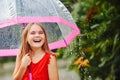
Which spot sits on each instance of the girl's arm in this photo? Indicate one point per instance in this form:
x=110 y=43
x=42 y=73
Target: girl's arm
x=21 y=66
x=53 y=69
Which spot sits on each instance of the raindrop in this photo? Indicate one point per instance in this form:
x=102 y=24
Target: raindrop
x=89 y=77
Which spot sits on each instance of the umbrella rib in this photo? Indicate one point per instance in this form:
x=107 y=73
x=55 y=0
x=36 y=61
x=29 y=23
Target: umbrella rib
x=65 y=41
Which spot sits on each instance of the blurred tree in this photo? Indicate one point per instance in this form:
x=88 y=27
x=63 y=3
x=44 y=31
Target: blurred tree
x=99 y=41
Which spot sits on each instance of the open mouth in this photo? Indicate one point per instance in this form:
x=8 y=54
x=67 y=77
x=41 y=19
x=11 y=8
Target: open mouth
x=36 y=41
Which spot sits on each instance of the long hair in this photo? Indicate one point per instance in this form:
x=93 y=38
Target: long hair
x=25 y=47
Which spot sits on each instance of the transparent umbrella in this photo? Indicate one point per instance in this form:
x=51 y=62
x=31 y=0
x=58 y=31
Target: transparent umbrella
x=57 y=20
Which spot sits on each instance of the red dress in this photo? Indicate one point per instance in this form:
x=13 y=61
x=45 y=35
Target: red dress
x=39 y=70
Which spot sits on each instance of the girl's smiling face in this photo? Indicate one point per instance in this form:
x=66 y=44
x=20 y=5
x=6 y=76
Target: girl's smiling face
x=36 y=36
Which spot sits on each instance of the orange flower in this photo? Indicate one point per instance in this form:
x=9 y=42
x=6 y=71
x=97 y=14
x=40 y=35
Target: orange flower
x=81 y=62
x=85 y=63
x=78 y=61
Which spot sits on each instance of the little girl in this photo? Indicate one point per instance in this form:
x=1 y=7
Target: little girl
x=35 y=61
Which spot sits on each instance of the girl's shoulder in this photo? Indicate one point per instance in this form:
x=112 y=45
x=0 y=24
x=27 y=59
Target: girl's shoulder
x=52 y=53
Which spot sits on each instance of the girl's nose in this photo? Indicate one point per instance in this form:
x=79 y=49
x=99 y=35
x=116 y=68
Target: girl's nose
x=37 y=35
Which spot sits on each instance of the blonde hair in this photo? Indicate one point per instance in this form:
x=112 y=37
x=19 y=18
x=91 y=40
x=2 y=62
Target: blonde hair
x=25 y=47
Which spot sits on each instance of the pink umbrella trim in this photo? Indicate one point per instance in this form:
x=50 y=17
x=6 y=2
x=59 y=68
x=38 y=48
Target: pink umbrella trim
x=58 y=44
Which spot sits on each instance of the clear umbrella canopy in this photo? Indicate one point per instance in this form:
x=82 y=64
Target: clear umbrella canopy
x=57 y=20
x=33 y=8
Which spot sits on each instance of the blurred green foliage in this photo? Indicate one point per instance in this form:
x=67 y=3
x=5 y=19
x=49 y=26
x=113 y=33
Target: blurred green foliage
x=7 y=59
x=99 y=41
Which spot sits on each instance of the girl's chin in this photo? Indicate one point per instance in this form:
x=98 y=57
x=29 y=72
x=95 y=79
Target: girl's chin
x=36 y=46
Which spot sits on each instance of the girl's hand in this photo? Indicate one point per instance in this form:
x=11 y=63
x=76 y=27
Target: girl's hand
x=26 y=60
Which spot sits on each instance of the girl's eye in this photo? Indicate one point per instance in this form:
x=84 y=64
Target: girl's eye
x=32 y=32
x=41 y=32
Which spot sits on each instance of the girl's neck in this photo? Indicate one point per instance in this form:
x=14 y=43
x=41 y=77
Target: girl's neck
x=37 y=51
x=37 y=55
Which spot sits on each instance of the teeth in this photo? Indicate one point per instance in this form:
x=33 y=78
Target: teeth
x=36 y=40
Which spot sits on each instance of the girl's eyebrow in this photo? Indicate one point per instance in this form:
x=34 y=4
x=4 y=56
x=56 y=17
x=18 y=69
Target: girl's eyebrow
x=35 y=31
